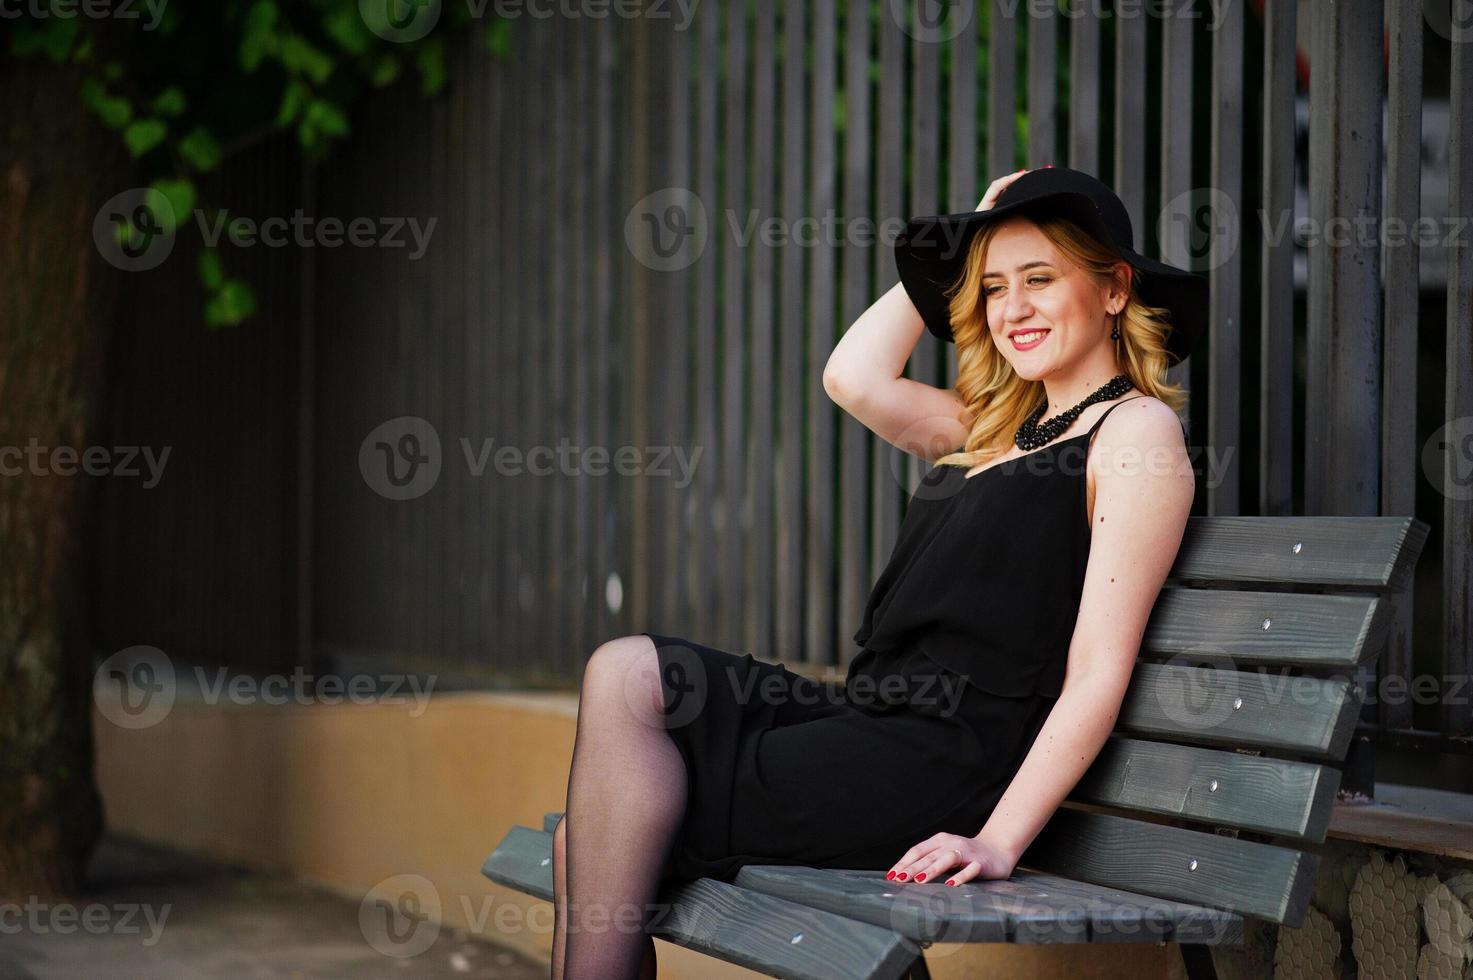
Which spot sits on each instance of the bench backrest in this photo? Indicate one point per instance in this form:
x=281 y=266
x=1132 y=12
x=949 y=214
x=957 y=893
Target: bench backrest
x=1225 y=761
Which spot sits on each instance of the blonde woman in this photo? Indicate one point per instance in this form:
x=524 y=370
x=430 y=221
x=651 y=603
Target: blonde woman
x=997 y=643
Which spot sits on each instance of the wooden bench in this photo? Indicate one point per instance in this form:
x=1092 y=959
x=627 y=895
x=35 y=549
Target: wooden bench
x=1204 y=808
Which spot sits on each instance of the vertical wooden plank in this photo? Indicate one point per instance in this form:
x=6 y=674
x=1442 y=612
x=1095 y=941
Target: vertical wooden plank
x=889 y=463
x=705 y=553
x=515 y=365
x=496 y=346
x=408 y=330
x=438 y=503
x=1043 y=89
x=790 y=574
x=963 y=191
x=1224 y=365
x=1002 y=92
x=473 y=271
x=1400 y=462
x=854 y=448
x=733 y=332
x=680 y=502
x=557 y=486
x=1343 y=397
x=1176 y=152
x=759 y=592
x=1276 y=305
x=663 y=420
x=450 y=235
x=585 y=569
x=534 y=566
x=1457 y=510
x=1129 y=179
x=638 y=105
x=306 y=426
x=822 y=314
x=925 y=120
x=1084 y=90
x=607 y=418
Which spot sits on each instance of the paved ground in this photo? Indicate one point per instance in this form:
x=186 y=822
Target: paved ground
x=155 y=914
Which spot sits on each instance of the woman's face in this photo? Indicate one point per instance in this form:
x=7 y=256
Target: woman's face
x=1043 y=312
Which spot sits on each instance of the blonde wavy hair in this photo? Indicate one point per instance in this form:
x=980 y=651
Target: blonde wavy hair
x=998 y=399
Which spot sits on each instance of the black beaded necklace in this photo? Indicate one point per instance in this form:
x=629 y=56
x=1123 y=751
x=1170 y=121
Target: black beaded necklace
x=1033 y=434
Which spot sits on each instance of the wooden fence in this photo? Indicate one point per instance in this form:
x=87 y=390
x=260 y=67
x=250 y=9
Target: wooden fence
x=587 y=280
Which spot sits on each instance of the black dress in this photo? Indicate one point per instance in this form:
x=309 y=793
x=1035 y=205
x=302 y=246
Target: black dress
x=965 y=639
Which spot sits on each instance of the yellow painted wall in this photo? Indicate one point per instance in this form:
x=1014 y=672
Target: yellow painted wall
x=346 y=796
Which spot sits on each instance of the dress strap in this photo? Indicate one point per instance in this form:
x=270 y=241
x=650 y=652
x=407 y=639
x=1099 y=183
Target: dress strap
x=1101 y=420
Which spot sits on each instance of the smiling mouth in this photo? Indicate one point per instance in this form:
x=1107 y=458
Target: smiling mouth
x=1025 y=341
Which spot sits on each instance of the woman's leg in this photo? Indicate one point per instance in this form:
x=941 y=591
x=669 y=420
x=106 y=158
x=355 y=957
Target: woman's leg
x=560 y=914
x=626 y=798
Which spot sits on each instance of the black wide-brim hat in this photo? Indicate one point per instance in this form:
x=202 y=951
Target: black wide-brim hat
x=932 y=250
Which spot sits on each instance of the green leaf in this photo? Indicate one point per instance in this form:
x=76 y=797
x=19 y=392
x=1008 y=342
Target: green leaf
x=292 y=102
x=170 y=102
x=385 y=69
x=57 y=38
x=257 y=38
x=112 y=71
x=142 y=135
x=171 y=200
x=498 y=38
x=301 y=57
x=211 y=275
x=200 y=149
x=430 y=59
x=114 y=110
x=230 y=305
x=327 y=118
x=344 y=24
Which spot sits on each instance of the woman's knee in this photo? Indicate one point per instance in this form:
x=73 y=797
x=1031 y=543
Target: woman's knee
x=627 y=668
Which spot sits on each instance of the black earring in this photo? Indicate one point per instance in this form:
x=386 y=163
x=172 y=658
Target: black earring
x=1115 y=331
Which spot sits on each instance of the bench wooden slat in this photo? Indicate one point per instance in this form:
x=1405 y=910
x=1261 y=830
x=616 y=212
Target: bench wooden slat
x=753 y=929
x=1027 y=908
x=1267 y=628
x=1241 y=709
x=1372 y=554
x=1193 y=866
x=1271 y=796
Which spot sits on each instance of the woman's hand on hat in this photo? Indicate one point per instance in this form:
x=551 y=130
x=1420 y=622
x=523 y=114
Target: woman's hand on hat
x=997 y=187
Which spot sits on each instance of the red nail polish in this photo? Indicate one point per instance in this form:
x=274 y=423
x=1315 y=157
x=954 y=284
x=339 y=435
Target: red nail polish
x=921 y=876
x=950 y=881
x=901 y=876
x=890 y=876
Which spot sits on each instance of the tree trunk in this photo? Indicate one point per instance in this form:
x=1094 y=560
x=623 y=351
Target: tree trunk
x=57 y=166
